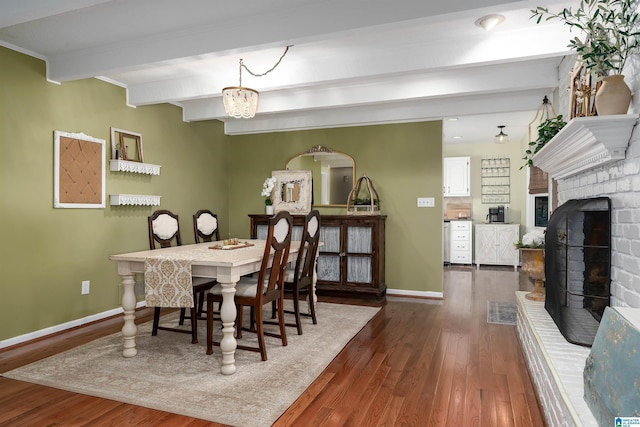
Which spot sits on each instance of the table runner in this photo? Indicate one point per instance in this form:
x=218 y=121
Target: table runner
x=168 y=282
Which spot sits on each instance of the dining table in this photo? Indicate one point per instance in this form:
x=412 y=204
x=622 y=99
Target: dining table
x=216 y=260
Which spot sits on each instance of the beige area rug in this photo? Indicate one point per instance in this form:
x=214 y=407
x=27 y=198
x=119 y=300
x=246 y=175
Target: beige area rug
x=171 y=374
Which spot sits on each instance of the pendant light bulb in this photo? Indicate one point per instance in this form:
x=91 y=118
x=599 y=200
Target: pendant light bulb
x=501 y=137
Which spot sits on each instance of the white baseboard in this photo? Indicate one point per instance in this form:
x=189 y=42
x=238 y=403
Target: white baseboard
x=63 y=326
x=421 y=294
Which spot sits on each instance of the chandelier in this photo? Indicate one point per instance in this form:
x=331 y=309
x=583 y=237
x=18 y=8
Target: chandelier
x=242 y=102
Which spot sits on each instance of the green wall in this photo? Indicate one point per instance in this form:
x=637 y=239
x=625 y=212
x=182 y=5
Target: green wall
x=403 y=160
x=46 y=253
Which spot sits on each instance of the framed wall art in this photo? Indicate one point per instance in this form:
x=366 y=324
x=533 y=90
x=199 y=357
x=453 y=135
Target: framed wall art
x=292 y=191
x=582 y=89
x=126 y=145
x=79 y=171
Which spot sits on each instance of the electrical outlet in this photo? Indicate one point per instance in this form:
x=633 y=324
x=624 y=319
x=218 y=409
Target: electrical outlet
x=426 y=202
x=85 y=287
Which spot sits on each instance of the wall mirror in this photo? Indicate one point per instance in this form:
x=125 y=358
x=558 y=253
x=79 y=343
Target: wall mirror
x=333 y=174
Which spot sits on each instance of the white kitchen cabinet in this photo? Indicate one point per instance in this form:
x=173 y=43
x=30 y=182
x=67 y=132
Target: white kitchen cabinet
x=461 y=242
x=495 y=244
x=456 y=176
x=446 y=246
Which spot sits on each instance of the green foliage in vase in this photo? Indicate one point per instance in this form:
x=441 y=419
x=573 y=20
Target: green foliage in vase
x=609 y=32
x=546 y=130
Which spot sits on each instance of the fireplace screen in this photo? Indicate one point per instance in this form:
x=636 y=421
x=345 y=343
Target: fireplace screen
x=577 y=267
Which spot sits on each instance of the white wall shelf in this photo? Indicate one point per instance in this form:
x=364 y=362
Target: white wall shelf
x=134 y=200
x=585 y=143
x=134 y=167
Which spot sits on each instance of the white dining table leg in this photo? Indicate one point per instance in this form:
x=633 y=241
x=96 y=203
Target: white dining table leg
x=129 y=329
x=228 y=315
x=314 y=281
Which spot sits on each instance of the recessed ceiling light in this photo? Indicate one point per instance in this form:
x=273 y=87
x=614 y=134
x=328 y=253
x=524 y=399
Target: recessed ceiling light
x=489 y=21
x=456 y=137
x=452 y=119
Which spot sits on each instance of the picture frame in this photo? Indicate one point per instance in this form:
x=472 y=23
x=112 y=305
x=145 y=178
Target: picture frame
x=79 y=171
x=582 y=89
x=126 y=145
x=292 y=191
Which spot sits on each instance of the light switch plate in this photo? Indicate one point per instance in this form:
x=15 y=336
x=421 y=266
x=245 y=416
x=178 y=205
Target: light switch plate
x=426 y=202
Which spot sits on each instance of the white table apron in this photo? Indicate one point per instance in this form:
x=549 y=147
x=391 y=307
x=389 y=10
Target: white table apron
x=226 y=266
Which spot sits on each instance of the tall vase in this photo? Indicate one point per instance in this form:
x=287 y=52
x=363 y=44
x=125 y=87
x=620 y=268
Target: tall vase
x=268 y=209
x=533 y=266
x=613 y=96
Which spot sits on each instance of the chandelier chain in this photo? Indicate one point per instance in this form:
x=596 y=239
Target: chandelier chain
x=266 y=72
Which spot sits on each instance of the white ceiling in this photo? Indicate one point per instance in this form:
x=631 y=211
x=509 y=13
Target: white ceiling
x=352 y=62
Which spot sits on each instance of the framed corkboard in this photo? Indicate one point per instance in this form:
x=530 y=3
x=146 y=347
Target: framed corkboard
x=79 y=171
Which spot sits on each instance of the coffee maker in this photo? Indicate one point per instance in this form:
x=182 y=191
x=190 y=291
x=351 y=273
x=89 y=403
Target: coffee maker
x=496 y=214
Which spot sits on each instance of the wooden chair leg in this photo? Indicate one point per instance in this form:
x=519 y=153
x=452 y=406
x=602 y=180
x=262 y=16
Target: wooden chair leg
x=283 y=332
x=260 y=331
x=209 y=326
x=252 y=319
x=296 y=311
x=239 y=317
x=194 y=325
x=182 y=316
x=312 y=307
x=156 y=321
x=201 y=298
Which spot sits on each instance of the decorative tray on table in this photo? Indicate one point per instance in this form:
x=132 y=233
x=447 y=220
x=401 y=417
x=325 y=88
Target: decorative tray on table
x=230 y=244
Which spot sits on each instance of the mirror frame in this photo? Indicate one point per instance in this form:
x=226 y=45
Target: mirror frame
x=320 y=149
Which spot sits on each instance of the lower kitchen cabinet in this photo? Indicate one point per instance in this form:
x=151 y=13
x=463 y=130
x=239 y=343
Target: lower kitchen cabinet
x=495 y=244
x=446 y=246
x=351 y=259
x=460 y=242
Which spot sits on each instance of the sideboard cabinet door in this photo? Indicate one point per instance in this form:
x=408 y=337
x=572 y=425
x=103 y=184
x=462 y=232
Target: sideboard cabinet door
x=351 y=259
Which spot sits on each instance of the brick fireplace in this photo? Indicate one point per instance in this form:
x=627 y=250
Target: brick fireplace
x=594 y=158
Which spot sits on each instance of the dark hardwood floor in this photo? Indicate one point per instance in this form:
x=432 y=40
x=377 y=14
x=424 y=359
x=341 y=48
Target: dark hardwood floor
x=419 y=362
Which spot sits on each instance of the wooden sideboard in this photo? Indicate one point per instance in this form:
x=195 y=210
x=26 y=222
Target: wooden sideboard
x=352 y=258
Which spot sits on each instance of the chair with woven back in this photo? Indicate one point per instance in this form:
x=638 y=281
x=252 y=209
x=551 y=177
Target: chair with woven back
x=164 y=231
x=266 y=289
x=299 y=280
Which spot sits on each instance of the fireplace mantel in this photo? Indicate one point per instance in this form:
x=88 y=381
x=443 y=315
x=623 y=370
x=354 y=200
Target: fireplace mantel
x=584 y=143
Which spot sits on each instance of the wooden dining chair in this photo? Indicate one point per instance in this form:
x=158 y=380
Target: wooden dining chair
x=164 y=231
x=299 y=280
x=205 y=229
x=205 y=226
x=256 y=293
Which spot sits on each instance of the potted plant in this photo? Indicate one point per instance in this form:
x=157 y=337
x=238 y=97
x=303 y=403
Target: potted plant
x=267 y=189
x=546 y=130
x=610 y=33
x=532 y=251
